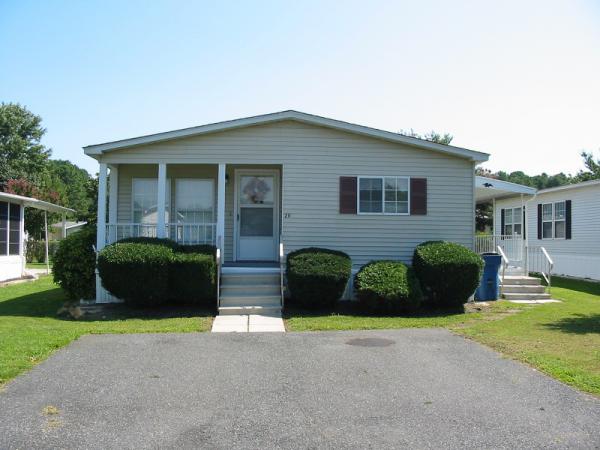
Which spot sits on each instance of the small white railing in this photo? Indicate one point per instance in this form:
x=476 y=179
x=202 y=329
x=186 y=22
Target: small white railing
x=512 y=245
x=504 y=264
x=281 y=269
x=182 y=233
x=218 y=257
x=538 y=260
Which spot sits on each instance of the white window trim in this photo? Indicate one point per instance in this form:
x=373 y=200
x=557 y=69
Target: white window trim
x=554 y=220
x=382 y=213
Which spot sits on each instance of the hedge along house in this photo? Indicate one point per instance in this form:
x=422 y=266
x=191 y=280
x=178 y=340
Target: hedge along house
x=12 y=232
x=263 y=186
x=564 y=221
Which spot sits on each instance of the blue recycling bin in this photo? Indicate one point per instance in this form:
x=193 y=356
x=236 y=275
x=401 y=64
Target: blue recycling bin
x=489 y=286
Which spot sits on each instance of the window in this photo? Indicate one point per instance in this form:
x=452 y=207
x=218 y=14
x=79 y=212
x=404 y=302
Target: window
x=383 y=195
x=554 y=220
x=145 y=195
x=194 y=201
x=513 y=221
x=10 y=228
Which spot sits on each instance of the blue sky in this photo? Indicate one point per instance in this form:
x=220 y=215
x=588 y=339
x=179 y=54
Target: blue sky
x=517 y=79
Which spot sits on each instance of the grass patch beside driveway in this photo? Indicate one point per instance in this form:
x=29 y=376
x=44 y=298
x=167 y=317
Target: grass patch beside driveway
x=561 y=339
x=30 y=329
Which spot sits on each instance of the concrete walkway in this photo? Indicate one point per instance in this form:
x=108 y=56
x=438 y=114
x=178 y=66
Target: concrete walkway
x=248 y=323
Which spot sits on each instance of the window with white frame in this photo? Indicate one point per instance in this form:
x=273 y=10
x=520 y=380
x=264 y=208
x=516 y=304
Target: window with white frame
x=513 y=221
x=554 y=220
x=383 y=195
x=194 y=201
x=145 y=199
x=10 y=228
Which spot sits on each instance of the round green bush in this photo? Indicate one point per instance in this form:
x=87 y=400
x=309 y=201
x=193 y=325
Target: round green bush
x=136 y=273
x=388 y=287
x=74 y=264
x=193 y=278
x=449 y=273
x=205 y=249
x=317 y=277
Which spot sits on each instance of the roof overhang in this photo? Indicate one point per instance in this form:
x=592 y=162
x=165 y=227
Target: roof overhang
x=95 y=151
x=487 y=189
x=31 y=202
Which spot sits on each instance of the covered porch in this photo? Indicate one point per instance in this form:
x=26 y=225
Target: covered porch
x=235 y=207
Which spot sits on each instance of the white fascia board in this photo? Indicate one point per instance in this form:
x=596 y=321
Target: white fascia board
x=99 y=149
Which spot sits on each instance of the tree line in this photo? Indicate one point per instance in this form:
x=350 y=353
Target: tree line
x=26 y=168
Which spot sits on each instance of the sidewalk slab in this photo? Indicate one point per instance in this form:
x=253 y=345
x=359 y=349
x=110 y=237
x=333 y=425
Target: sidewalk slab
x=230 y=324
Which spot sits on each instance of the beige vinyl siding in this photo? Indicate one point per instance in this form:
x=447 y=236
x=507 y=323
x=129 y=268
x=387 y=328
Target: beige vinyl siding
x=312 y=159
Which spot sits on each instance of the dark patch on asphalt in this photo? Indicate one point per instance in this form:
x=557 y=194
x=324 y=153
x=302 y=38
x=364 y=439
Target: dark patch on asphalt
x=370 y=342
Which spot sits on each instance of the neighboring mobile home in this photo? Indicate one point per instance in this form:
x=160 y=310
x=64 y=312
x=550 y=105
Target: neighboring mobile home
x=12 y=232
x=564 y=220
x=251 y=186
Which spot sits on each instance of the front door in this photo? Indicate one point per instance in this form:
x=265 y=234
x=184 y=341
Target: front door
x=257 y=215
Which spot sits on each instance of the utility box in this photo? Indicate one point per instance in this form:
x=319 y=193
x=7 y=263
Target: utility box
x=489 y=287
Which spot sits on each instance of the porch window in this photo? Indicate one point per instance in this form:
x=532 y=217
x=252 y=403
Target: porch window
x=145 y=195
x=10 y=228
x=513 y=221
x=383 y=195
x=194 y=206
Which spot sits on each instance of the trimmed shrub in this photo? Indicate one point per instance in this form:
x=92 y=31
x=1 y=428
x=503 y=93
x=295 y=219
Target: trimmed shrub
x=138 y=273
x=74 y=264
x=317 y=277
x=205 y=249
x=388 y=287
x=449 y=273
x=164 y=242
x=192 y=278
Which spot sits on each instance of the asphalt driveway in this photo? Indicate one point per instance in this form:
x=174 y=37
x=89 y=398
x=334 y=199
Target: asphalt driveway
x=380 y=389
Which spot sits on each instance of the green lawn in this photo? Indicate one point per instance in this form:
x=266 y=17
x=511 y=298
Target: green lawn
x=560 y=339
x=37 y=265
x=30 y=329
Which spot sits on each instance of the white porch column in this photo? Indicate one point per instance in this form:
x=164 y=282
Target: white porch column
x=46 y=241
x=113 y=192
x=22 y=239
x=221 y=208
x=160 y=203
x=64 y=226
x=101 y=227
x=494 y=217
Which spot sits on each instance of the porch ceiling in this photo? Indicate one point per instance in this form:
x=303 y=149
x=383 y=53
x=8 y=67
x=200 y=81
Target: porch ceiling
x=487 y=189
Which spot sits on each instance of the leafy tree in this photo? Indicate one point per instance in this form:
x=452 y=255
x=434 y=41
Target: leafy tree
x=432 y=136
x=592 y=166
x=74 y=181
x=22 y=156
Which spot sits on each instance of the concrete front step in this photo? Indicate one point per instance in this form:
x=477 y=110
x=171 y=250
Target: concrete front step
x=523 y=289
x=513 y=280
x=245 y=310
x=249 y=279
x=522 y=296
x=250 y=300
x=236 y=290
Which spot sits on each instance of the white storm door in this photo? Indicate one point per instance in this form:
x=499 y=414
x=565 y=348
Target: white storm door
x=257 y=217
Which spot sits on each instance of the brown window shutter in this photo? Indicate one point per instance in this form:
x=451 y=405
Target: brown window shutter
x=568 y=221
x=418 y=196
x=348 y=195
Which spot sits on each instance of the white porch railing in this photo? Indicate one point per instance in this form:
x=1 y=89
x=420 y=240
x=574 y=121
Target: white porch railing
x=511 y=245
x=183 y=233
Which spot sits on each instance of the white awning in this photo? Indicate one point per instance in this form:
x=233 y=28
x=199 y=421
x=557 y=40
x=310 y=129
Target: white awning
x=34 y=203
x=487 y=189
